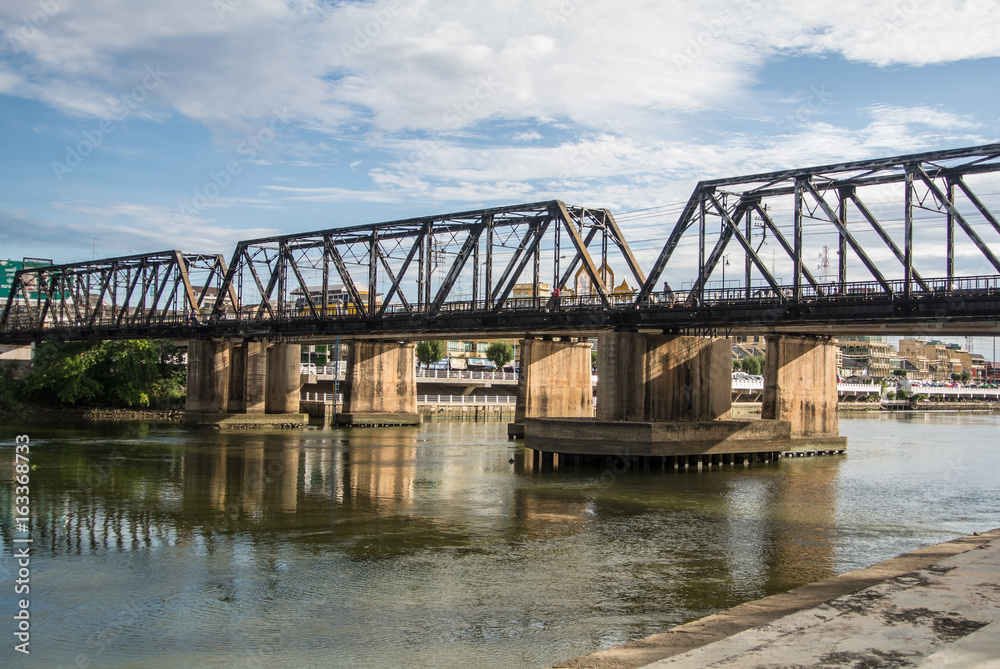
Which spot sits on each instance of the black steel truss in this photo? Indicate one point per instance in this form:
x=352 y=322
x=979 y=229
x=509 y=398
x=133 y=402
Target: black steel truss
x=126 y=293
x=478 y=259
x=489 y=270
x=834 y=198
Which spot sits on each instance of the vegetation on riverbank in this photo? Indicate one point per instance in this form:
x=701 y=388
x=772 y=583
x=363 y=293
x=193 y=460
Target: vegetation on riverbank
x=140 y=373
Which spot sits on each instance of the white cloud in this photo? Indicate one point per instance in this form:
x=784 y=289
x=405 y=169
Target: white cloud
x=921 y=115
x=444 y=66
x=144 y=228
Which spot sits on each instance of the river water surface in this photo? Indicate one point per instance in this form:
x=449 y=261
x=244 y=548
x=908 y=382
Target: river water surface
x=158 y=546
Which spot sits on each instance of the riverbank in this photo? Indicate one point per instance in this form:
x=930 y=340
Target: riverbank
x=945 y=593
x=97 y=414
x=754 y=408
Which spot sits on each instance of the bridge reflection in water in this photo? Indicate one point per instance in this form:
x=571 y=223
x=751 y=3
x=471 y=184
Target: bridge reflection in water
x=379 y=548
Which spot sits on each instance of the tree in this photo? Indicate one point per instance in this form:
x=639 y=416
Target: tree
x=752 y=364
x=119 y=373
x=10 y=388
x=430 y=352
x=500 y=353
x=901 y=373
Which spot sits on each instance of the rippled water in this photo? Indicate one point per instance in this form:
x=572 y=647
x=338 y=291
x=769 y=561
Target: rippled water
x=157 y=546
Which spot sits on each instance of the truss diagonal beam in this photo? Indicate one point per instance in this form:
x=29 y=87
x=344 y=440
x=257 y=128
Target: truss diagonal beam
x=886 y=239
x=987 y=214
x=471 y=241
x=740 y=212
x=581 y=249
x=842 y=229
x=964 y=224
x=683 y=223
x=783 y=242
x=338 y=262
x=539 y=228
x=397 y=279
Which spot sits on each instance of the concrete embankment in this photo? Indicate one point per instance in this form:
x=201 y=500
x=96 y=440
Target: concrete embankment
x=935 y=607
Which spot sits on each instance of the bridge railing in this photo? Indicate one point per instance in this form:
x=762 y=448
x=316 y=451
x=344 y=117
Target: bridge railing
x=505 y=400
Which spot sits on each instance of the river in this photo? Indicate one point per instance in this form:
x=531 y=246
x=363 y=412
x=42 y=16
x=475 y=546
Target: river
x=156 y=546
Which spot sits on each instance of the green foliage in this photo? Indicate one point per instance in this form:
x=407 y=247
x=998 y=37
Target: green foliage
x=891 y=395
x=10 y=388
x=117 y=373
x=500 y=353
x=593 y=358
x=429 y=352
x=899 y=372
x=752 y=364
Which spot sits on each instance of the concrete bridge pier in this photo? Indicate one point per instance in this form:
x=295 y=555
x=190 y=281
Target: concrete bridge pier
x=800 y=386
x=381 y=384
x=553 y=382
x=207 y=377
x=646 y=377
x=660 y=396
x=245 y=384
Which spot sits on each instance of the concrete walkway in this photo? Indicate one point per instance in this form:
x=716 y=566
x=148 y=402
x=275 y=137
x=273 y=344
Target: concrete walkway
x=934 y=608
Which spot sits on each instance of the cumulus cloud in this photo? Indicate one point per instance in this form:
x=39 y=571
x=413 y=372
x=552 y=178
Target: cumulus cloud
x=446 y=65
x=594 y=101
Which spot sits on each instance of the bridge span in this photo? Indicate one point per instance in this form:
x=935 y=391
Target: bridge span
x=915 y=250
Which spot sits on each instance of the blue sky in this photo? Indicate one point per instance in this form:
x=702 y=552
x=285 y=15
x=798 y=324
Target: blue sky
x=133 y=127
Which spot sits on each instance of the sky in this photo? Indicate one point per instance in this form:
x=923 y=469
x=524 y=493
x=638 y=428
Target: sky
x=134 y=127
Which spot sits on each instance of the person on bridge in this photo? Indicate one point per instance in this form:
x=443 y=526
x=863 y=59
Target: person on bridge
x=192 y=317
x=555 y=298
x=668 y=295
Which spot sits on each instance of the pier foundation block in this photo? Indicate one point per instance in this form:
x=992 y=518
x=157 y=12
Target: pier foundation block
x=800 y=386
x=381 y=384
x=554 y=380
x=233 y=385
x=663 y=378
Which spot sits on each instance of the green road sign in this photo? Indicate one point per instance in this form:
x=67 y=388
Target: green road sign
x=8 y=268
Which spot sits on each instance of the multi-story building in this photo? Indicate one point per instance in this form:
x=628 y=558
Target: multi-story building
x=865 y=355
x=928 y=354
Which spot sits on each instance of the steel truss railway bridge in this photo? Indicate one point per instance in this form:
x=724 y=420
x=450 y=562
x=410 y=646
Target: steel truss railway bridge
x=915 y=249
x=906 y=231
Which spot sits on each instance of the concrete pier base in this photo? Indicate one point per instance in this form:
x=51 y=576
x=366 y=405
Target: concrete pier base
x=800 y=385
x=663 y=378
x=244 y=420
x=554 y=381
x=656 y=438
x=381 y=387
x=243 y=385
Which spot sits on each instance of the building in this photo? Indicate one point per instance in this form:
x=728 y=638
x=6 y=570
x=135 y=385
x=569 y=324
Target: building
x=912 y=369
x=929 y=355
x=868 y=356
x=979 y=363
